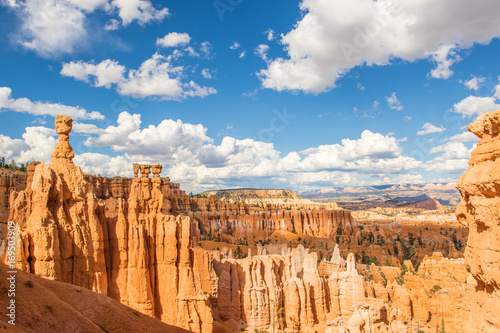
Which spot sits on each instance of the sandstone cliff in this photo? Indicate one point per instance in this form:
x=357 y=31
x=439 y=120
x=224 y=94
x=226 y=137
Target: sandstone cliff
x=9 y=182
x=286 y=291
x=479 y=210
x=126 y=248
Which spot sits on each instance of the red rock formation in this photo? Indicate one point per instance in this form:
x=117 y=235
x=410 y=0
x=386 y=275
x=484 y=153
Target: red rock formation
x=479 y=210
x=287 y=292
x=9 y=181
x=85 y=231
x=273 y=291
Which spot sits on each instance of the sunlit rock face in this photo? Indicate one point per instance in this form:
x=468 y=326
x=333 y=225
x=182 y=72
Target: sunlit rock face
x=479 y=210
x=113 y=237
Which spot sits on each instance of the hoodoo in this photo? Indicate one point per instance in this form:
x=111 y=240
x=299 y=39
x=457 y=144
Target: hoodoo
x=479 y=210
x=124 y=246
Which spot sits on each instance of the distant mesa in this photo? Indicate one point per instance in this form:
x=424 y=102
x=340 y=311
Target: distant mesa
x=253 y=196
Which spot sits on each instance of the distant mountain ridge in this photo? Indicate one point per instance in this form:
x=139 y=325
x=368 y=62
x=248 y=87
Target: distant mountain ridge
x=445 y=193
x=413 y=199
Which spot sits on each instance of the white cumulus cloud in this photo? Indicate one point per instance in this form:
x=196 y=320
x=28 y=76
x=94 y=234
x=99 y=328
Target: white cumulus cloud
x=192 y=157
x=454 y=158
x=235 y=46
x=42 y=108
x=332 y=37
x=474 y=83
x=444 y=57
x=474 y=105
x=141 y=11
x=173 y=39
x=463 y=137
x=428 y=128
x=55 y=27
x=205 y=72
x=261 y=51
x=156 y=77
x=105 y=73
x=37 y=144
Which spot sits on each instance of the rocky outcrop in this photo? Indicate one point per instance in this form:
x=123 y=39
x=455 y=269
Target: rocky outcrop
x=479 y=210
x=9 y=181
x=99 y=236
x=274 y=291
x=437 y=292
x=286 y=291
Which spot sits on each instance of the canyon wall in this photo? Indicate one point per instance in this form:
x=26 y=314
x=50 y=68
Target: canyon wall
x=479 y=210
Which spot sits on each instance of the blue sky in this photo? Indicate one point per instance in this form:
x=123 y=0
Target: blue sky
x=236 y=93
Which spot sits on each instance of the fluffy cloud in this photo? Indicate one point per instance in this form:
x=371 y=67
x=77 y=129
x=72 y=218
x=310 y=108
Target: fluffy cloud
x=54 y=27
x=41 y=108
x=37 y=145
x=270 y=34
x=106 y=73
x=95 y=163
x=173 y=39
x=454 y=158
x=194 y=159
x=372 y=153
x=474 y=105
x=464 y=137
x=261 y=51
x=393 y=102
x=474 y=83
x=156 y=77
x=445 y=56
x=170 y=141
x=140 y=10
x=51 y=27
x=205 y=72
x=428 y=128
x=335 y=36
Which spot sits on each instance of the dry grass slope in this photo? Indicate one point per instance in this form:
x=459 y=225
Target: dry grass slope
x=51 y=306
